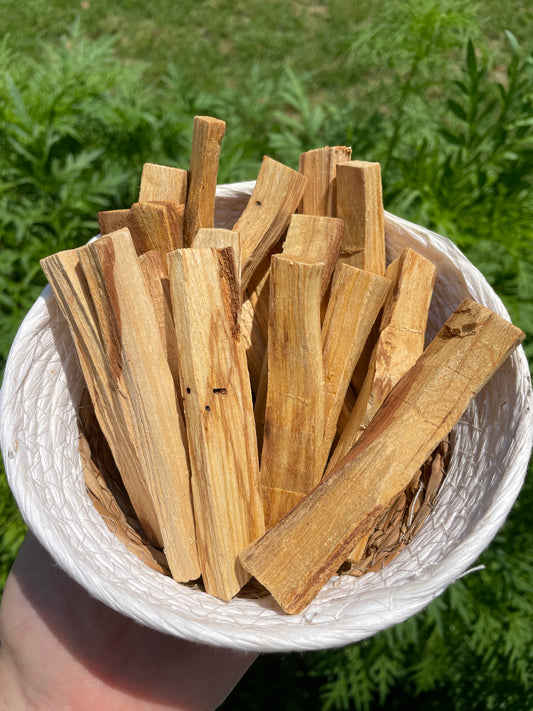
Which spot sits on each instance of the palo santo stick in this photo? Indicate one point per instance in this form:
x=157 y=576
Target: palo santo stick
x=157 y=225
x=155 y=275
x=319 y=167
x=316 y=238
x=219 y=413
x=163 y=183
x=417 y=415
x=354 y=303
x=294 y=418
x=138 y=364
x=360 y=205
x=400 y=343
x=114 y=220
x=200 y=205
x=152 y=225
x=220 y=238
x=68 y=282
x=276 y=196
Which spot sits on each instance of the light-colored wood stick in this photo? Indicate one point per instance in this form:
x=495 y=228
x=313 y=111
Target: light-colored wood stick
x=316 y=238
x=219 y=413
x=207 y=138
x=163 y=183
x=220 y=238
x=417 y=415
x=152 y=225
x=154 y=270
x=319 y=167
x=157 y=225
x=70 y=288
x=360 y=205
x=400 y=342
x=277 y=194
x=138 y=363
x=294 y=418
x=354 y=304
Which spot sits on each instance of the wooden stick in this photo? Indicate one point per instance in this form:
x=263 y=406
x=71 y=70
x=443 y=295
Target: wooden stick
x=220 y=238
x=319 y=167
x=114 y=220
x=163 y=183
x=355 y=301
x=316 y=238
x=69 y=285
x=417 y=415
x=138 y=364
x=360 y=205
x=294 y=418
x=154 y=271
x=400 y=342
x=255 y=320
x=276 y=196
x=219 y=413
x=200 y=206
x=152 y=225
x=157 y=225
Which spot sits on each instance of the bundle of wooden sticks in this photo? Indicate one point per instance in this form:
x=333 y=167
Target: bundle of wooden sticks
x=265 y=391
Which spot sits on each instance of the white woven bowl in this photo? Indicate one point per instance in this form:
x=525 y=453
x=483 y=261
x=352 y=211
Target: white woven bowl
x=39 y=440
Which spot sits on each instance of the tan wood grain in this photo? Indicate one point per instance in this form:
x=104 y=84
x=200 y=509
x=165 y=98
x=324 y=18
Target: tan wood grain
x=319 y=167
x=207 y=136
x=154 y=270
x=360 y=205
x=354 y=304
x=219 y=413
x=400 y=342
x=276 y=195
x=294 y=417
x=419 y=412
x=316 y=238
x=220 y=238
x=162 y=182
x=136 y=362
x=69 y=285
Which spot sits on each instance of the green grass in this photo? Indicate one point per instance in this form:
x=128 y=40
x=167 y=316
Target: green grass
x=436 y=91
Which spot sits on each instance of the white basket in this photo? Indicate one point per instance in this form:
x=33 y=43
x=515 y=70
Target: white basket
x=39 y=440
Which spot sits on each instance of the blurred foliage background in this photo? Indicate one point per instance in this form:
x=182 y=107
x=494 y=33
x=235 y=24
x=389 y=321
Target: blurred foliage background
x=439 y=91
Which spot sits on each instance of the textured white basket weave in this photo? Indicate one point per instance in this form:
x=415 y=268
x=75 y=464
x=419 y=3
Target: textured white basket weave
x=39 y=440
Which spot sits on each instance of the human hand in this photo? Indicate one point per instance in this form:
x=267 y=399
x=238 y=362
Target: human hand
x=62 y=650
